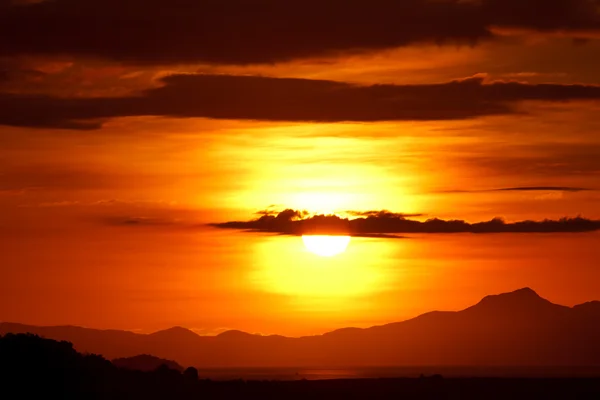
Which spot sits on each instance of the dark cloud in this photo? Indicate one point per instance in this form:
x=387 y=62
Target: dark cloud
x=19 y=74
x=285 y=99
x=287 y=214
x=543 y=189
x=382 y=214
x=13 y=71
x=546 y=161
x=46 y=176
x=523 y=189
x=385 y=224
x=141 y=221
x=544 y=15
x=231 y=31
x=264 y=31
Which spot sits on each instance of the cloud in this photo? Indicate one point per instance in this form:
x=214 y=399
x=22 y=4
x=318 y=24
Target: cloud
x=139 y=221
x=543 y=189
x=45 y=176
x=544 y=15
x=143 y=204
x=9 y=75
x=385 y=224
x=231 y=31
x=523 y=189
x=545 y=161
x=382 y=214
x=265 y=31
x=287 y=99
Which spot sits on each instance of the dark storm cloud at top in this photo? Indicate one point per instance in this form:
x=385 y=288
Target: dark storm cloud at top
x=278 y=99
x=264 y=31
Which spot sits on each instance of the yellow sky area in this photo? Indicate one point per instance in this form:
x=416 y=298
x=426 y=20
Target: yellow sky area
x=326 y=168
x=331 y=280
x=337 y=167
x=243 y=167
x=321 y=168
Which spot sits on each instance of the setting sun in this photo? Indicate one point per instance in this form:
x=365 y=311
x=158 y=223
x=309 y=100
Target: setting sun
x=224 y=196
x=326 y=246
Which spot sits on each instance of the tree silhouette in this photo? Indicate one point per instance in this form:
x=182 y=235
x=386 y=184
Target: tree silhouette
x=191 y=374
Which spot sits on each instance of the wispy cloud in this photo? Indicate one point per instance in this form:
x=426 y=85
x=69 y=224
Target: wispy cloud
x=521 y=189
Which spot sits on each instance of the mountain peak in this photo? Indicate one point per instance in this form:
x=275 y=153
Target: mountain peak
x=526 y=290
x=234 y=334
x=175 y=331
x=591 y=306
x=523 y=294
x=518 y=301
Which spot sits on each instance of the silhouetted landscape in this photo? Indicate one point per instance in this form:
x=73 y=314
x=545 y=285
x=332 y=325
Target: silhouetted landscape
x=31 y=366
x=145 y=363
x=511 y=329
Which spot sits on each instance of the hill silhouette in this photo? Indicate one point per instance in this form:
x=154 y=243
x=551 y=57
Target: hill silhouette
x=511 y=329
x=145 y=363
x=32 y=367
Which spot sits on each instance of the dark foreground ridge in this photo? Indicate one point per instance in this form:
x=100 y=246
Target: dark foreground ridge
x=33 y=367
x=517 y=329
x=145 y=363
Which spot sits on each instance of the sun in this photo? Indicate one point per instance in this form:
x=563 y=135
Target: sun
x=326 y=245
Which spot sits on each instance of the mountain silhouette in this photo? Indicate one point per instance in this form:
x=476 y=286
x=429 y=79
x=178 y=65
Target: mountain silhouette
x=175 y=333
x=511 y=329
x=522 y=299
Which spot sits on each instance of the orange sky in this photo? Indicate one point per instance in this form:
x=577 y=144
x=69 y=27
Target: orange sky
x=93 y=137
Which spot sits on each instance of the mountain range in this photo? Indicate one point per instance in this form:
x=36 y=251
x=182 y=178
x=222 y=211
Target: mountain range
x=511 y=329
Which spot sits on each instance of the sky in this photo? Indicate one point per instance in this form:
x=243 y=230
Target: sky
x=139 y=140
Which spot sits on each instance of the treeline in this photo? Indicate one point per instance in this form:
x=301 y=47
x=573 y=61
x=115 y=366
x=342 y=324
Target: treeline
x=31 y=366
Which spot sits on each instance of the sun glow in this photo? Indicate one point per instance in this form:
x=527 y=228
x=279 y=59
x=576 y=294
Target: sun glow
x=284 y=266
x=326 y=246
